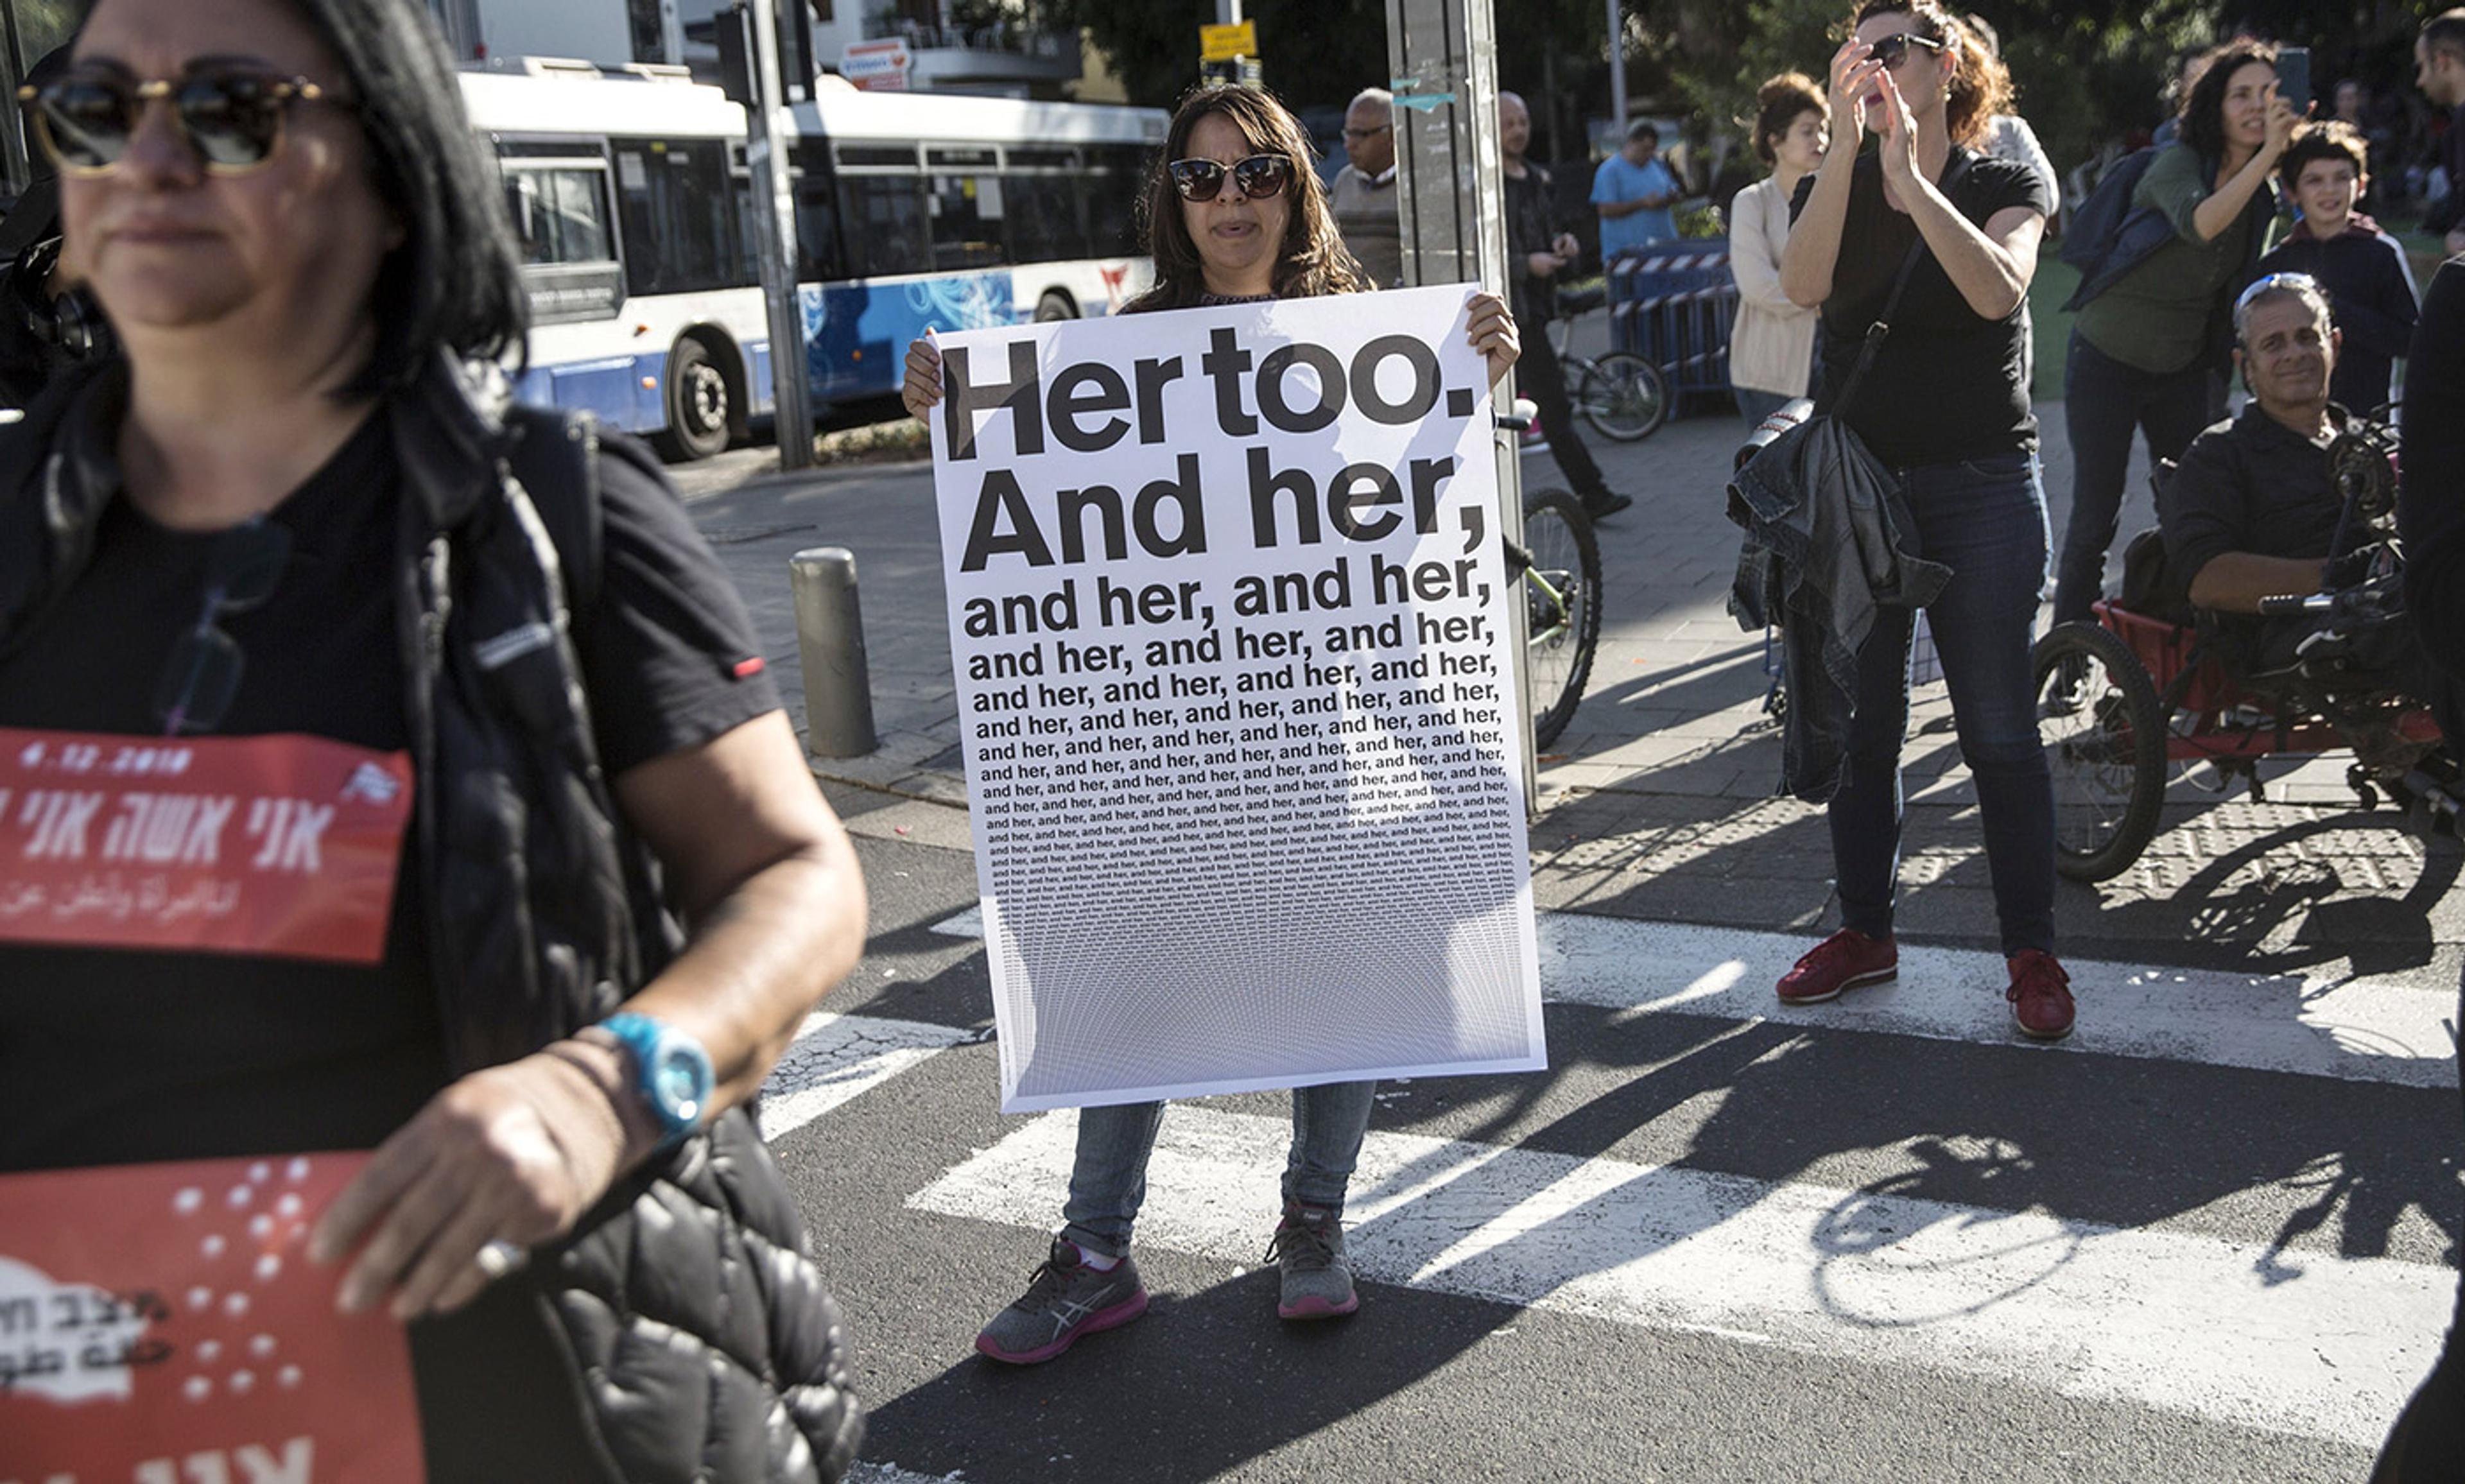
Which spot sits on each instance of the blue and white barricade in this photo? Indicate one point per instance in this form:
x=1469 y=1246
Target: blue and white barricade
x=1672 y=304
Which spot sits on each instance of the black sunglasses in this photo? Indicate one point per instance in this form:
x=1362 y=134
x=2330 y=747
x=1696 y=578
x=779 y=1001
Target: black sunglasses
x=1259 y=176
x=231 y=116
x=202 y=675
x=1893 y=50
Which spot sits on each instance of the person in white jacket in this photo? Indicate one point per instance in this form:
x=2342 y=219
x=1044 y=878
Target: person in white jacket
x=1772 y=348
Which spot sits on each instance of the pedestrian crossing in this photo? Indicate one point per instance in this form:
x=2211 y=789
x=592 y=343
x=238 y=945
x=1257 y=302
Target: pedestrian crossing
x=2296 y=1341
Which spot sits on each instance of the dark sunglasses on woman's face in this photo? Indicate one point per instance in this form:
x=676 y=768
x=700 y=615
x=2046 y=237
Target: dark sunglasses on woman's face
x=1259 y=176
x=1893 y=50
x=231 y=116
x=202 y=675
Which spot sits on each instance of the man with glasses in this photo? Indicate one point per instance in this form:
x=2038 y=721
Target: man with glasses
x=2439 y=71
x=2254 y=511
x=1363 y=197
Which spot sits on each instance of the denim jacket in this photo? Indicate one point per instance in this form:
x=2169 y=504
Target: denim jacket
x=1829 y=541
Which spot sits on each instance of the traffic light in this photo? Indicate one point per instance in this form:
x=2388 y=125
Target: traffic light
x=732 y=29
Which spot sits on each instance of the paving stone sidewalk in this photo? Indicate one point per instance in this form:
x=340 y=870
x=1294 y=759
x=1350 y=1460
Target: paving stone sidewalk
x=1657 y=801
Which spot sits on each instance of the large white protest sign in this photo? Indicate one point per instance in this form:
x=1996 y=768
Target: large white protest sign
x=1229 y=614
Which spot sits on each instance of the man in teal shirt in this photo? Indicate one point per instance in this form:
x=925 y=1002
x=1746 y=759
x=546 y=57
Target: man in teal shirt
x=1634 y=192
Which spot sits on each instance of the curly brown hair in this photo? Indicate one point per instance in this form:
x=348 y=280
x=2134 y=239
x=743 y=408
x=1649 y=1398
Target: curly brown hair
x=1777 y=104
x=1313 y=260
x=1981 y=86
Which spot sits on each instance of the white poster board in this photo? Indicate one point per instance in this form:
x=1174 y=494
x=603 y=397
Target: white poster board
x=1229 y=620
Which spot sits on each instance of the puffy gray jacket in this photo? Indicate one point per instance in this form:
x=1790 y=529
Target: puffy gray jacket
x=695 y=1326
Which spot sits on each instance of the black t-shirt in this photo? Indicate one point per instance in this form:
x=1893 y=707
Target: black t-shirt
x=2252 y=484
x=119 y=1056
x=1949 y=385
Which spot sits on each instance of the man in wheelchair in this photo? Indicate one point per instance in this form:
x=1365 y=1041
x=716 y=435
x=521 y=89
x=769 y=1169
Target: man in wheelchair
x=2277 y=525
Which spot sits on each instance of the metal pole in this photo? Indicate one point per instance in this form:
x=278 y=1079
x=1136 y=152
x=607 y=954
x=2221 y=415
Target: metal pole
x=1450 y=194
x=774 y=233
x=1618 y=75
x=829 y=647
x=1228 y=12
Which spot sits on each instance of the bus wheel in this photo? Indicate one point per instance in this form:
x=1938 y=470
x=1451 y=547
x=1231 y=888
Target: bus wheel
x=1054 y=306
x=698 y=408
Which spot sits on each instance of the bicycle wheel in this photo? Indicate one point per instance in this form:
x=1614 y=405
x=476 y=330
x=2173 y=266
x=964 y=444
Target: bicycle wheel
x=1622 y=395
x=2104 y=733
x=1562 y=589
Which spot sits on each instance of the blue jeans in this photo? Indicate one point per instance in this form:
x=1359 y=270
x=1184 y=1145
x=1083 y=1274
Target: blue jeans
x=1755 y=406
x=1986 y=521
x=2104 y=401
x=1108 y=1180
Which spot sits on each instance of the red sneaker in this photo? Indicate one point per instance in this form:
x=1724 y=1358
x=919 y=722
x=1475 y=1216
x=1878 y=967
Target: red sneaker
x=2041 y=996
x=1843 y=961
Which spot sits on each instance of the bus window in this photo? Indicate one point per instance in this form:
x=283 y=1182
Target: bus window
x=1118 y=177
x=560 y=214
x=1043 y=210
x=967 y=212
x=819 y=259
x=883 y=218
x=682 y=230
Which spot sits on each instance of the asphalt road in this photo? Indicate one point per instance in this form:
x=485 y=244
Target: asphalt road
x=2212 y=1238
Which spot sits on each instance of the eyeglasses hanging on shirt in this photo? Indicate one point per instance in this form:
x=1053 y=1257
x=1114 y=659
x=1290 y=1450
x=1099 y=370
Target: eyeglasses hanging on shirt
x=202 y=675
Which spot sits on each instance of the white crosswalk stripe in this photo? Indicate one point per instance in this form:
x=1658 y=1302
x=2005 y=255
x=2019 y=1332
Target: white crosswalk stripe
x=2316 y=1024
x=2298 y=1341
x=838 y=1058
x=2180 y=1321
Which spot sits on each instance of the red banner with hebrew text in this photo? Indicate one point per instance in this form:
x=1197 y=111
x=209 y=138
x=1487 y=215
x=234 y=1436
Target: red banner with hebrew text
x=161 y=1324
x=283 y=845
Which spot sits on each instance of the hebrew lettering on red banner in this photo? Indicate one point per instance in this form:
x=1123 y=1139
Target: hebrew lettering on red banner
x=161 y=1324
x=281 y=845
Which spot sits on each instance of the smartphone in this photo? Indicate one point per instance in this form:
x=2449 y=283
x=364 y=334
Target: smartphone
x=2294 y=75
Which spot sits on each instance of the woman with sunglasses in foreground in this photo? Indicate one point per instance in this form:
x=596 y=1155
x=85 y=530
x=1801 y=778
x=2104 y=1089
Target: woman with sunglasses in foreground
x=1236 y=216
x=2152 y=349
x=1944 y=407
x=297 y=529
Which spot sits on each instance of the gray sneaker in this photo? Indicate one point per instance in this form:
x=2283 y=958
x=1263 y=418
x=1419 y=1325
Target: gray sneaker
x=1308 y=1254
x=1065 y=1298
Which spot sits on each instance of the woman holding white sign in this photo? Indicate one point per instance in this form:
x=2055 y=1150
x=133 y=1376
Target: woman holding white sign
x=1236 y=216
x=416 y=713
x=1934 y=242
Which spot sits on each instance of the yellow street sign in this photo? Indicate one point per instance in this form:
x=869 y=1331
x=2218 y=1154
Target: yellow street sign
x=1224 y=43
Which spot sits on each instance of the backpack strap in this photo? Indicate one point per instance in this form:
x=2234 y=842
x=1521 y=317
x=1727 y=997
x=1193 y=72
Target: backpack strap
x=555 y=459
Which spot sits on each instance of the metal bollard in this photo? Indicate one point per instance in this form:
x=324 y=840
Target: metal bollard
x=830 y=645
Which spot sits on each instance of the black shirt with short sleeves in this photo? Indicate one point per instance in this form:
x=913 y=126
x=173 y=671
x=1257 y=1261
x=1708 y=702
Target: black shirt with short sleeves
x=1949 y=385
x=2252 y=484
x=117 y=1055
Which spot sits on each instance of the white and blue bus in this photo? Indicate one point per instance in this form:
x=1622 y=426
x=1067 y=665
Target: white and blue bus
x=632 y=202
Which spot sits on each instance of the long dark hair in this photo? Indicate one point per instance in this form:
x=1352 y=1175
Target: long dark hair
x=1312 y=259
x=2202 y=122
x=1981 y=86
x=454 y=282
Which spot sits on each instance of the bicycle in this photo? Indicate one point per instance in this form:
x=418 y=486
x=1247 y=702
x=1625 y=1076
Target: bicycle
x=1624 y=396
x=1559 y=567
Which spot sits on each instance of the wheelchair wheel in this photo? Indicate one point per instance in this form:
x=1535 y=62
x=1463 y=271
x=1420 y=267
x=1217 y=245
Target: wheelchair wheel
x=1562 y=596
x=2103 y=729
x=1622 y=395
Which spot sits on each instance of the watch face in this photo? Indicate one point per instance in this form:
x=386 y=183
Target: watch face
x=682 y=1079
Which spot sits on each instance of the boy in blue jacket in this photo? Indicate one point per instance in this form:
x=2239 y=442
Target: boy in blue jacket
x=2362 y=268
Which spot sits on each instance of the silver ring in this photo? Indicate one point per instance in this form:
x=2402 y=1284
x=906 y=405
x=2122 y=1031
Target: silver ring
x=500 y=1257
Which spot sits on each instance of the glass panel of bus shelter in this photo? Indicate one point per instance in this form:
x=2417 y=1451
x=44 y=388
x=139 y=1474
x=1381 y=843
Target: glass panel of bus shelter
x=885 y=224
x=682 y=230
x=1045 y=215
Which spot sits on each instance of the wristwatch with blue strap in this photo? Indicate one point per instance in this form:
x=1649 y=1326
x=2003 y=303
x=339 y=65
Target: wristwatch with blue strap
x=671 y=1072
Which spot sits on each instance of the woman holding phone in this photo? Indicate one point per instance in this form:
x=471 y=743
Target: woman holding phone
x=1939 y=241
x=2149 y=352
